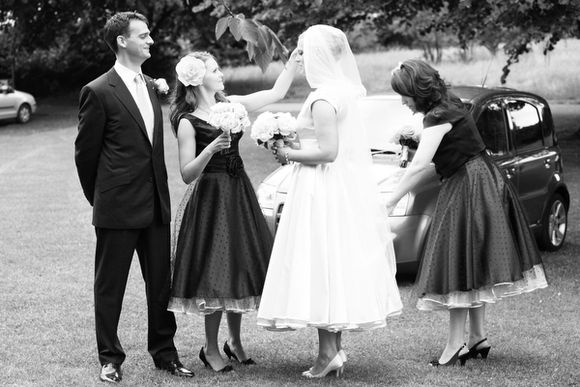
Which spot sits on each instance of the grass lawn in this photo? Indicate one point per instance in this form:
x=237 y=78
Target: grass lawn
x=46 y=300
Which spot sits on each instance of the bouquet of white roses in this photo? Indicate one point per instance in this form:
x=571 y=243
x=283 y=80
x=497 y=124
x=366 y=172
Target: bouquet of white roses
x=408 y=136
x=270 y=127
x=229 y=117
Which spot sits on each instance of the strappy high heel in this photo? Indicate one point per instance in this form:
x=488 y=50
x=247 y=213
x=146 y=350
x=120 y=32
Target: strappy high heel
x=452 y=361
x=335 y=365
x=229 y=353
x=473 y=351
x=202 y=357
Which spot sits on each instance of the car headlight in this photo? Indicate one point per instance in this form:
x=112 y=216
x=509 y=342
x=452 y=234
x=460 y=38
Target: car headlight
x=401 y=207
x=266 y=195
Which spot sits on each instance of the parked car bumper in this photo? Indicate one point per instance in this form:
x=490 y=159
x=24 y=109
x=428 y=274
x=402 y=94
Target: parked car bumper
x=410 y=237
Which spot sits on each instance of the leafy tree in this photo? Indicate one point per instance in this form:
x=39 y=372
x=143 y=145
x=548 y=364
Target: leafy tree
x=518 y=22
x=61 y=45
x=287 y=17
x=57 y=44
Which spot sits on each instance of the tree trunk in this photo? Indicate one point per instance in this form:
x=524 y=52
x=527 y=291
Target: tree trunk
x=13 y=56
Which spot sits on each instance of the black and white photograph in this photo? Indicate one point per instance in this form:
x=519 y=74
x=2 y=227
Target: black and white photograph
x=282 y=193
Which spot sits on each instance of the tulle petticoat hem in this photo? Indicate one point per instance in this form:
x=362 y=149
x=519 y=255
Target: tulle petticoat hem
x=534 y=279
x=286 y=324
x=205 y=306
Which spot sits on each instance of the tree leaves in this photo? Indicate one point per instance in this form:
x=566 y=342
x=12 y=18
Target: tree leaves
x=235 y=29
x=262 y=44
x=221 y=26
x=514 y=23
x=205 y=4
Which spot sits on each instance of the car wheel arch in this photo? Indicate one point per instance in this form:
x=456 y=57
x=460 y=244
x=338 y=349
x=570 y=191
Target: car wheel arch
x=544 y=237
x=24 y=105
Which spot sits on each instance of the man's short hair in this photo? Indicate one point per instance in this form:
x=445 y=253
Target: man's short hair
x=118 y=24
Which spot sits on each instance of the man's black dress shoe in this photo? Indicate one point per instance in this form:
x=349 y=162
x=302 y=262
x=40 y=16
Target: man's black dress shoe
x=111 y=372
x=175 y=368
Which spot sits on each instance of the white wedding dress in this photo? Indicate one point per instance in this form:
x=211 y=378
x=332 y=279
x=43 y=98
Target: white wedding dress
x=333 y=263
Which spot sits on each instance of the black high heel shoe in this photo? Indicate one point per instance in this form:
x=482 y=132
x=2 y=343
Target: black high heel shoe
x=473 y=351
x=229 y=353
x=227 y=368
x=452 y=361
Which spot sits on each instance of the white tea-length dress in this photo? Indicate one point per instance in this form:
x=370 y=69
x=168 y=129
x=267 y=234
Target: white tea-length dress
x=333 y=263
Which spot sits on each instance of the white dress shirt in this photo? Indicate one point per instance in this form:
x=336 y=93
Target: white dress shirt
x=141 y=97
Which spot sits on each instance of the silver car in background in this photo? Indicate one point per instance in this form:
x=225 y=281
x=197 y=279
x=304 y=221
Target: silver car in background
x=16 y=104
x=519 y=134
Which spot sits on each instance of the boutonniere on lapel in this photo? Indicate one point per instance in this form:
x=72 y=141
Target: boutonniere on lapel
x=161 y=86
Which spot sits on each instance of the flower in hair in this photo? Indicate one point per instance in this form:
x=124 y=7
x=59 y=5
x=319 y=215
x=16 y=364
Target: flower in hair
x=190 y=71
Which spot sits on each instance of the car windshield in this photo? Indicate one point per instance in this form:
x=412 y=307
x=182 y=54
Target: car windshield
x=384 y=116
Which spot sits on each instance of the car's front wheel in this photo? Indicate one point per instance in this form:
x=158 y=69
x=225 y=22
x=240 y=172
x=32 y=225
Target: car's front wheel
x=554 y=224
x=24 y=113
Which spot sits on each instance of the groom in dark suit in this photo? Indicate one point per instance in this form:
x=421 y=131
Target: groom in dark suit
x=120 y=162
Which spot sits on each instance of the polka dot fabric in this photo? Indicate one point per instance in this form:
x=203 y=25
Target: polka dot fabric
x=223 y=243
x=479 y=247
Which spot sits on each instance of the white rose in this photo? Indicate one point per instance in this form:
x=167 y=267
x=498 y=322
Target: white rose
x=286 y=124
x=161 y=85
x=221 y=107
x=242 y=115
x=229 y=122
x=239 y=109
x=190 y=71
x=245 y=122
x=264 y=127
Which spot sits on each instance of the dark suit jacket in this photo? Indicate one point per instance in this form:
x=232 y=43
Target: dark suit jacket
x=120 y=171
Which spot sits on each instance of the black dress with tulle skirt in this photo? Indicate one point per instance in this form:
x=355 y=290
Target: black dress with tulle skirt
x=223 y=244
x=480 y=247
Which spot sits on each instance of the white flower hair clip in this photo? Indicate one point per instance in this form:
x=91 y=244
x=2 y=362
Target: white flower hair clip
x=190 y=71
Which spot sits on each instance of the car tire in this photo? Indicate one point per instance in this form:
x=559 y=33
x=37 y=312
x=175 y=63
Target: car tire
x=24 y=113
x=554 y=224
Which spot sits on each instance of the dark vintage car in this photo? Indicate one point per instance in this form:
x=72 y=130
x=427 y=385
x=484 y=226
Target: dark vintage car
x=518 y=130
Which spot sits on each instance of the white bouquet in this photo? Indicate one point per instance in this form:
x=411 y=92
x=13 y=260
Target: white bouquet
x=408 y=136
x=270 y=127
x=229 y=117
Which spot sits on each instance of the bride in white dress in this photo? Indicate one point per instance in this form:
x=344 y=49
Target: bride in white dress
x=333 y=264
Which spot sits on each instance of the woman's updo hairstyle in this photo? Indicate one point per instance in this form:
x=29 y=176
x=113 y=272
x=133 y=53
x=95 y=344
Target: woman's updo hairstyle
x=417 y=79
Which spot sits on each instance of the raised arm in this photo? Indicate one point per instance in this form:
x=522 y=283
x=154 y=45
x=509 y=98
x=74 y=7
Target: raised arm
x=89 y=140
x=190 y=165
x=421 y=167
x=325 y=127
x=262 y=98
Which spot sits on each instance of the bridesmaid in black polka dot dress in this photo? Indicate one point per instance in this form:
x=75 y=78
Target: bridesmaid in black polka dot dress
x=479 y=248
x=222 y=243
